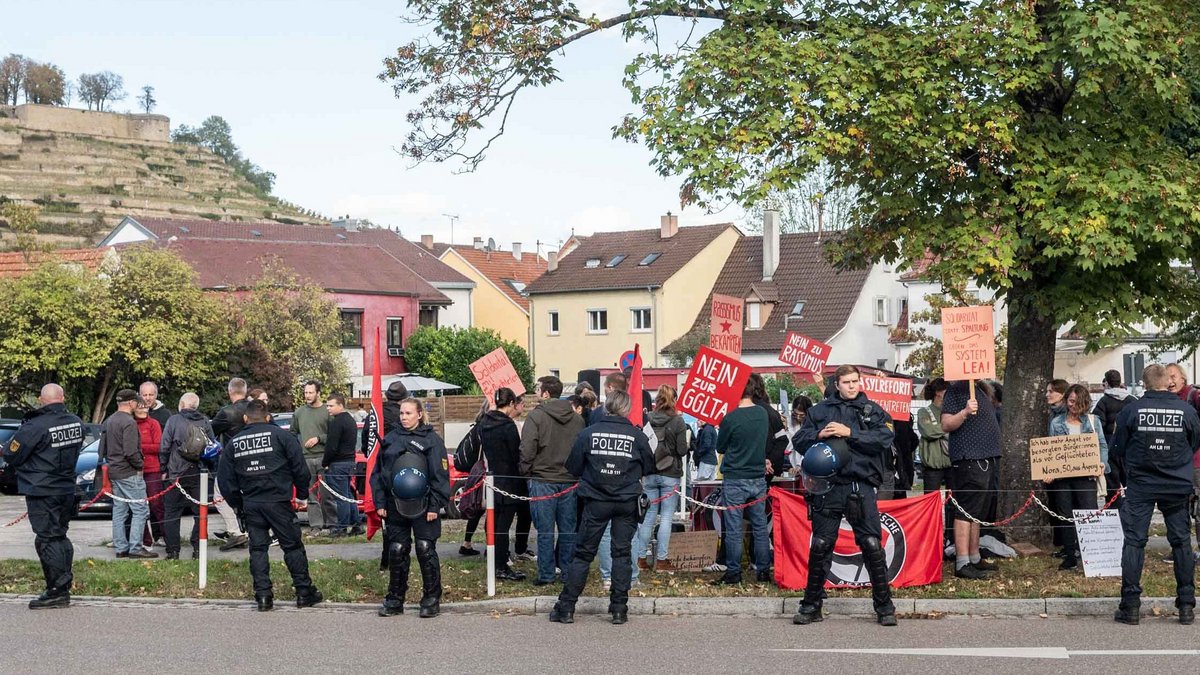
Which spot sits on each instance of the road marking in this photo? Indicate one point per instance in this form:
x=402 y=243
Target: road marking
x=1007 y=652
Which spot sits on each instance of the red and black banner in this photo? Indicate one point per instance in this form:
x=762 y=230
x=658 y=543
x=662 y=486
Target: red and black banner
x=912 y=541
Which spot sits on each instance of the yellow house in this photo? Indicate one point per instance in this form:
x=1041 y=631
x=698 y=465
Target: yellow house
x=615 y=289
x=499 y=301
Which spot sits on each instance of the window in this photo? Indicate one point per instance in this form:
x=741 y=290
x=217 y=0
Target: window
x=881 y=307
x=517 y=286
x=597 y=320
x=617 y=259
x=649 y=259
x=641 y=319
x=901 y=308
x=429 y=317
x=395 y=332
x=553 y=316
x=881 y=364
x=352 y=322
x=753 y=315
x=554 y=372
x=592 y=263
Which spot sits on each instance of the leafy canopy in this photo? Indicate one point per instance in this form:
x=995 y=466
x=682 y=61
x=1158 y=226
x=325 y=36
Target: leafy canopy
x=446 y=354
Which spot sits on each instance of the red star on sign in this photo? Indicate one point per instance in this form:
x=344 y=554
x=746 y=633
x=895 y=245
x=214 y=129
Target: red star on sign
x=725 y=326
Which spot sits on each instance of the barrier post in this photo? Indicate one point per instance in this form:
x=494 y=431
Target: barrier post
x=490 y=502
x=203 y=529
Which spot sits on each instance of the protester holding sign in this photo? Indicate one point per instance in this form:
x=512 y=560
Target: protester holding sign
x=848 y=416
x=1155 y=438
x=1076 y=492
x=974 y=460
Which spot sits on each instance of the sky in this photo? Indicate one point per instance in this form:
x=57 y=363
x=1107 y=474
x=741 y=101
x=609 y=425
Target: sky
x=297 y=81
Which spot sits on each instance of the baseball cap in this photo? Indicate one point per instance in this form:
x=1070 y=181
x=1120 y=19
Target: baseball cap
x=126 y=395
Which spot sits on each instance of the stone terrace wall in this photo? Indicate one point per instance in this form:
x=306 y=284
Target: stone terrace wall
x=154 y=128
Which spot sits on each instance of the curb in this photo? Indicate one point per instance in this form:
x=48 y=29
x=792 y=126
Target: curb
x=759 y=607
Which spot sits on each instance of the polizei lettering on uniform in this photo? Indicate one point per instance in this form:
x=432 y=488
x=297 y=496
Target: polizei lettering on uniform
x=65 y=434
x=1160 y=419
x=246 y=447
x=612 y=445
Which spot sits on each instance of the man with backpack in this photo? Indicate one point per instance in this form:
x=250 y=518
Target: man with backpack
x=226 y=424
x=1114 y=400
x=184 y=439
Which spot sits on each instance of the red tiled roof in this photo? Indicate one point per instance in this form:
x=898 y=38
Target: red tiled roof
x=500 y=267
x=918 y=269
x=803 y=274
x=15 y=264
x=237 y=263
x=423 y=262
x=573 y=274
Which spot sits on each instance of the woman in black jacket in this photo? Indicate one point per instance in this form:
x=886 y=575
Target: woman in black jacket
x=502 y=447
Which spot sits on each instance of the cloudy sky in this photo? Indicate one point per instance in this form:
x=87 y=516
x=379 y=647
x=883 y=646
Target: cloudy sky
x=297 y=82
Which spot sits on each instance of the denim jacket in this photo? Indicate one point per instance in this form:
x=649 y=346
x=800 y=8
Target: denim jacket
x=1090 y=424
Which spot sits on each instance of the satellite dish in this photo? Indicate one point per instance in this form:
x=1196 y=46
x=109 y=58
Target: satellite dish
x=491 y=244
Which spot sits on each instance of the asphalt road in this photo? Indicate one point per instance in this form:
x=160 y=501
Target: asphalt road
x=102 y=637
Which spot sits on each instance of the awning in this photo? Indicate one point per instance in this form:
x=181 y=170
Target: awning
x=414 y=382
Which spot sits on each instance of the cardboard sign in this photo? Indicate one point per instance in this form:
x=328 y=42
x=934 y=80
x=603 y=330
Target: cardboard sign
x=494 y=371
x=893 y=394
x=1064 y=456
x=714 y=386
x=725 y=326
x=1100 y=543
x=968 y=343
x=692 y=551
x=807 y=354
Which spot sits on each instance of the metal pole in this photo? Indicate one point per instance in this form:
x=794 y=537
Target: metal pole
x=203 y=529
x=488 y=483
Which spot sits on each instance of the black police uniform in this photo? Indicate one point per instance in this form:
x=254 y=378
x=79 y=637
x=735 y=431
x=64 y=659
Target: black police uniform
x=1155 y=438
x=43 y=452
x=391 y=420
x=852 y=495
x=609 y=457
x=420 y=448
x=258 y=470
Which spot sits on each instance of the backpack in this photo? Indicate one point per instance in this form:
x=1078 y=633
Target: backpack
x=472 y=505
x=468 y=451
x=195 y=443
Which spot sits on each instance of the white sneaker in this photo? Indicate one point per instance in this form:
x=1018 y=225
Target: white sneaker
x=607 y=584
x=715 y=567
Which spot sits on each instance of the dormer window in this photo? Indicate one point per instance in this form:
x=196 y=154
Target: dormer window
x=649 y=260
x=753 y=315
x=592 y=263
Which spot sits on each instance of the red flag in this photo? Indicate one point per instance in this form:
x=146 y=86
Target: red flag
x=374 y=437
x=635 y=387
x=912 y=541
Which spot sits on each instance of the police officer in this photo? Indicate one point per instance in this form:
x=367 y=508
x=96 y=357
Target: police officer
x=1155 y=438
x=410 y=486
x=395 y=393
x=847 y=416
x=43 y=453
x=609 y=457
x=258 y=470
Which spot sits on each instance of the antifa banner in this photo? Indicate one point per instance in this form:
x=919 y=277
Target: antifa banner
x=912 y=542
x=375 y=435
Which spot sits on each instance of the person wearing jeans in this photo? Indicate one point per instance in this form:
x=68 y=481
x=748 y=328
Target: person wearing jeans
x=121 y=449
x=743 y=442
x=546 y=440
x=662 y=489
x=737 y=492
x=337 y=462
x=656 y=487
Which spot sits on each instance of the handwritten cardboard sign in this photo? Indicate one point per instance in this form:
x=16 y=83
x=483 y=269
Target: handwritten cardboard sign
x=893 y=394
x=692 y=551
x=1100 y=543
x=1064 y=456
x=725 y=327
x=807 y=354
x=968 y=343
x=713 y=387
x=494 y=371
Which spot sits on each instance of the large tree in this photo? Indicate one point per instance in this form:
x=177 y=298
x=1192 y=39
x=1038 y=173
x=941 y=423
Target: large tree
x=1026 y=143
x=99 y=90
x=12 y=78
x=45 y=83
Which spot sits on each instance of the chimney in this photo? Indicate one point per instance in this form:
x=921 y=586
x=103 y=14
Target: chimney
x=427 y=241
x=770 y=243
x=517 y=250
x=668 y=226
x=478 y=243
x=552 y=261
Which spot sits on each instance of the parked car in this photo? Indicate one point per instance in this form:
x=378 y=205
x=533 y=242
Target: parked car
x=8 y=477
x=87 y=481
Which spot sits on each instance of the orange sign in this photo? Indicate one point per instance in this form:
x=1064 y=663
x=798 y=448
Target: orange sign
x=494 y=371
x=725 y=327
x=968 y=343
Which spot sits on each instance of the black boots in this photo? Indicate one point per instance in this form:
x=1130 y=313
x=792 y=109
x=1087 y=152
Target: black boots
x=431 y=578
x=51 y=600
x=309 y=597
x=1128 y=616
x=398 y=565
x=808 y=614
x=265 y=602
x=558 y=615
x=875 y=560
x=1187 y=615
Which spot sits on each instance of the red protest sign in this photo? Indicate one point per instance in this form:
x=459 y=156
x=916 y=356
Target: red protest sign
x=893 y=394
x=725 y=326
x=807 y=354
x=494 y=371
x=714 y=386
x=968 y=343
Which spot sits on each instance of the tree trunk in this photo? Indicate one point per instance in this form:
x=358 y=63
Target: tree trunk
x=1029 y=369
x=102 y=397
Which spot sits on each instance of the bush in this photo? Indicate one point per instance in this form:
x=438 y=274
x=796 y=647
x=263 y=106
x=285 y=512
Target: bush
x=446 y=354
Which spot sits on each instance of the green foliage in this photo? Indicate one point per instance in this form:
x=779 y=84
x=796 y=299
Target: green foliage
x=98 y=90
x=146 y=100
x=925 y=360
x=23 y=221
x=785 y=381
x=446 y=354
x=215 y=134
x=681 y=352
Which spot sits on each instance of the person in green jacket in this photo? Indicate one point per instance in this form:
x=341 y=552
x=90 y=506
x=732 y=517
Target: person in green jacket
x=311 y=423
x=935 y=455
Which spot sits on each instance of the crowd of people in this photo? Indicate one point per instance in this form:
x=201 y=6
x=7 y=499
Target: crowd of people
x=596 y=485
